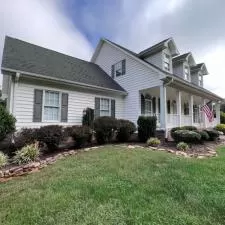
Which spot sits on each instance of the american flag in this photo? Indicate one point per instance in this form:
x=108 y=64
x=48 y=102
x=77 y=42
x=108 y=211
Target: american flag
x=208 y=110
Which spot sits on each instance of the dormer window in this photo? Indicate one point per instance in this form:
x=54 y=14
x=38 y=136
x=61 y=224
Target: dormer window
x=200 y=80
x=166 y=62
x=186 y=73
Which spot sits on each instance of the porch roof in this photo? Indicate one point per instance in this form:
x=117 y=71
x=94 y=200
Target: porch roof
x=179 y=83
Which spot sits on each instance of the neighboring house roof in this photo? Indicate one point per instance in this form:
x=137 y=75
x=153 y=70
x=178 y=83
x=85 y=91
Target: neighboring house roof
x=25 y=57
x=170 y=75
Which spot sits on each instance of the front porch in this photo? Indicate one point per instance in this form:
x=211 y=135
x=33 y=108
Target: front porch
x=174 y=107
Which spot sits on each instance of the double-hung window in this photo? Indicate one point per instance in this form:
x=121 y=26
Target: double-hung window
x=118 y=69
x=105 y=108
x=186 y=73
x=166 y=62
x=51 y=106
x=148 y=107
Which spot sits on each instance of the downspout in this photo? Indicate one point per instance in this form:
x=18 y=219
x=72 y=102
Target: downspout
x=15 y=81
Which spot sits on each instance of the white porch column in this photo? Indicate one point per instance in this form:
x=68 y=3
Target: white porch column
x=163 y=108
x=191 y=109
x=203 y=114
x=178 y=101
x=217 y=113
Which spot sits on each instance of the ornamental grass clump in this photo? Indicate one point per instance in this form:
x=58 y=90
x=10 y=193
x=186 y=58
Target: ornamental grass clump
x=182 y=146
x=154 y=142
x=3 y=159
x=29 y=153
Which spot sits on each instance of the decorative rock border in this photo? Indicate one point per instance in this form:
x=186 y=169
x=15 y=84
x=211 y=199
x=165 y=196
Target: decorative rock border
x=21 y=170
x=210 y=152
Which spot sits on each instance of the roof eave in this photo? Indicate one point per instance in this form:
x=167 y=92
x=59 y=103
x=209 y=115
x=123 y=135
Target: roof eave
x=74 y=83
x=191 y=86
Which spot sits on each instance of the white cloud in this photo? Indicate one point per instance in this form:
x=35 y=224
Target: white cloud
x=43 y=23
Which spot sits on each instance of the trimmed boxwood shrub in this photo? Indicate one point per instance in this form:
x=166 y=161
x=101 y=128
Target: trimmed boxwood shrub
x=51 y=135
x=7 y=122
x=146 y=127
x=186 y=136
x=125 y=129
x=204 y=135
x=105 y=128
x=222 y=117
x=190 y=128
x=154 y=142
x=80 y=134
x=221 y=127
x=213 y=134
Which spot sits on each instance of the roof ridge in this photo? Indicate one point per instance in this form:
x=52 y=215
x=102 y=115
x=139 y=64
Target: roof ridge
x=48 y=49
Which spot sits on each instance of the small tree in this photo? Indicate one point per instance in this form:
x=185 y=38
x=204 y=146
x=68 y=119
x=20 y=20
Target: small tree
x=7 y=122
x=88 y=117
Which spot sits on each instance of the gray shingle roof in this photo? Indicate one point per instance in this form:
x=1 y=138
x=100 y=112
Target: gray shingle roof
x=30 y=58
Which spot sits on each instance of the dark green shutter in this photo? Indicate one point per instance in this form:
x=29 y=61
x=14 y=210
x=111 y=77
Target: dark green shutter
x=113 y=71
x=154 y=104
x=142 y=104
x=64 y=107
x=113 y=108
x=159 y=105
x=168 y=106
x=97 y=107
x=123 y=66
x=38 y=98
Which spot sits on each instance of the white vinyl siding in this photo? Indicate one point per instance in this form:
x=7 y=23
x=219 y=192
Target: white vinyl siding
x=137 y=77
x=79 y=99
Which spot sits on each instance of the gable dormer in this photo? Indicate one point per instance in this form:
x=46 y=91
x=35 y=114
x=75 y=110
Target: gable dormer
x=161 y=54
x=197 y=73
x=182 y=65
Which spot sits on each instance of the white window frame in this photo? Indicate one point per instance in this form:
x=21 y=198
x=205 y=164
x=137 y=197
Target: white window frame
x=43 y=106
x=186 y=73
x=118 y=69
x=200 y=80
x=166 y=61
x=101 y=99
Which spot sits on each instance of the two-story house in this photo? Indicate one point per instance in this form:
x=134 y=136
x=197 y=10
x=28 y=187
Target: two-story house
x=44 y=87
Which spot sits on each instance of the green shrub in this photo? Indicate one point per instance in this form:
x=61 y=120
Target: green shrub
x=88 y=117
x=153 y=142
x=182 y=146
x=186 y=136
x=105 y=128
x=125 y=129
x=146 y=127
x=222 y=117
x=190 y=128
x=213 y=134
x=7 y=122
x=3 y=159
x=25 y=137
x=204 y=135
x=80 y=134
x=221 y=127
x=27 y=154
x=51 y=135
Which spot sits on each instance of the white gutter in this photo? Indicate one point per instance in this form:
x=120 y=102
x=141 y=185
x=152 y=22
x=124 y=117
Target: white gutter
x=22 y=73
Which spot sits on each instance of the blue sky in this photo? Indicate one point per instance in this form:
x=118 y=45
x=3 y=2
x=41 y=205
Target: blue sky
x=75 y=26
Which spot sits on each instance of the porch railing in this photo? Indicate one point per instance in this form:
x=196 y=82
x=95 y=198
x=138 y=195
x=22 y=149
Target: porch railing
x=173 y=120
x=185 y=120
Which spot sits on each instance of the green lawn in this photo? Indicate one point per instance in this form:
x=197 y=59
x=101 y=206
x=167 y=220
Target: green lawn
x=112 y=185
